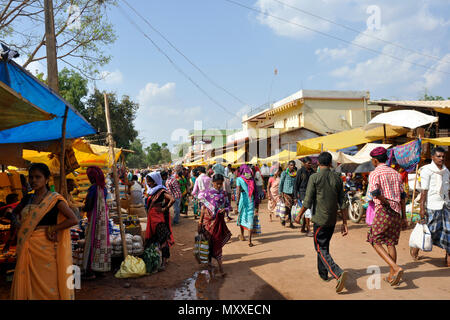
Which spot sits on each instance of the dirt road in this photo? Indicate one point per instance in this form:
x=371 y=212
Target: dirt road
x=281 y=265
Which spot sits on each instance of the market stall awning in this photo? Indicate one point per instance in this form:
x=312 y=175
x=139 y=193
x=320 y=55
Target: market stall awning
x=445 y=141
x=442 y=106
x=99 y=157
x=230 y=156
x=38 y=94
x=361 y=156
x=283 y=156
x=16 y=111
x=345 y=139
x=402 y=118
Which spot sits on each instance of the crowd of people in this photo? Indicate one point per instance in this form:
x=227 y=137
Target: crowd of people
x=42 y=219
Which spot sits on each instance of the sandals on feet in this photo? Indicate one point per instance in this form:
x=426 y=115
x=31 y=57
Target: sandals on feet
x=414 y=256
x=241 y=237
x=341 y=282
x=397 y=278
x=386 y=279
x=250 y=244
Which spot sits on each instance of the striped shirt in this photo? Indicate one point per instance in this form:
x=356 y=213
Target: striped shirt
x=389 y=183
x=174 y=187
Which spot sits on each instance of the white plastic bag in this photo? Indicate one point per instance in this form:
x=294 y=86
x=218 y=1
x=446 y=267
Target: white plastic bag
x=421 y=238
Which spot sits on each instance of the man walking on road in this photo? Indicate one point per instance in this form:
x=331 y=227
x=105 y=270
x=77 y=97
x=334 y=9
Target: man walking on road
x=325 y=195
x=301 y=183
x=435 y=202
x=386 y=188
x=287 y=190
x=174 y=187
x=265 y=172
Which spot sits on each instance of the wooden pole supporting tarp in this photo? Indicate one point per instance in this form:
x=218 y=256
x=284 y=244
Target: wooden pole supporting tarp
x=414 y=189
x=110 y=140
x=414 y=192
x=62 y=170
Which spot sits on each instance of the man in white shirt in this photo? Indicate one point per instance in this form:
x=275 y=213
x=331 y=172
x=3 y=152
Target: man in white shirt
x=259 y=182
x=227 y=170
x=435 y=202
x=265 y=172
x=136 y=194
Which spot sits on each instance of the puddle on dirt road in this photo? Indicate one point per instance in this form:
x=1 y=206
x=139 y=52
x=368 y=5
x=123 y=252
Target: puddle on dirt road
x=201 y=286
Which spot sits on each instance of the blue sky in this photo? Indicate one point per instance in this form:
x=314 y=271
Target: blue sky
x=239 y=49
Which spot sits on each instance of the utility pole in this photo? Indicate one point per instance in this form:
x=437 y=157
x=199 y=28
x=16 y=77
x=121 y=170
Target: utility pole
x=112 y=154
x=50 y=44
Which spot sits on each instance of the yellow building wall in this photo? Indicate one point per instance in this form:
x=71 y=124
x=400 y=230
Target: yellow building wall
x=323 y=116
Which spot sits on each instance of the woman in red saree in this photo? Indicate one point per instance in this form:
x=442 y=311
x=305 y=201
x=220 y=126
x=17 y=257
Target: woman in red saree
x=212 y=220
x=159 y=228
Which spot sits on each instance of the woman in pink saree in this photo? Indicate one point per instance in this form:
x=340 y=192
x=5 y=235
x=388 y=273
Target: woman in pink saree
x=272 y=192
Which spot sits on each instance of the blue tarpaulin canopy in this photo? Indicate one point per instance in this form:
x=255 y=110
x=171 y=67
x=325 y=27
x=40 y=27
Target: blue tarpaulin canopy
x=43 y=97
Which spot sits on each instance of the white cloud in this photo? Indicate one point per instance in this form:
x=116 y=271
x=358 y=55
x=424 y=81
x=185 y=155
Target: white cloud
x=152 y=93
x=236 y=121
x=416 y=24
x=414 y=28
x=274 y=9
x=112 y=77
x=161 y=114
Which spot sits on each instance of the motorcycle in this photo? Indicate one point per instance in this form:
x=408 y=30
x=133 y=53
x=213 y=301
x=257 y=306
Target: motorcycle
x=354 y=202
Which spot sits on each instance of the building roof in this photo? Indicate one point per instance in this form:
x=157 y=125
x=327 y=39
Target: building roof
x=412 y=103
x=297 y=99
x=212 y=132
x=323 y=94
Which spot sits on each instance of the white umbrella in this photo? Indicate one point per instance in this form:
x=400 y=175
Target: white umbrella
x=402 y=118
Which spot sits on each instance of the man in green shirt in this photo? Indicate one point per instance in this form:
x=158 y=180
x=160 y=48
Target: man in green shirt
x=325 y=195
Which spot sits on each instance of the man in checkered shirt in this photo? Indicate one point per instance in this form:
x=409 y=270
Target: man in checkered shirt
x=174 y=187
x=386 y=188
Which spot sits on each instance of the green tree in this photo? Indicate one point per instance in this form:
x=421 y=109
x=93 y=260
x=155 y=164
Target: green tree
x=82 y=31
x=74 y=88
x=123 y=114
x=137 y=159
x=426 y=97
x=158 y=154
x=182 y=149
x=154 y=154
x=166 y=155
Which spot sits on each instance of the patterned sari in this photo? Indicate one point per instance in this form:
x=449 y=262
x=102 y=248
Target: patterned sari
x=215 y=228
x=42 y=266
x=274 y=185
x=97 y=248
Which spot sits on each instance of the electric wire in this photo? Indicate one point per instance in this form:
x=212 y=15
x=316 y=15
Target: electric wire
x=360 y=32
x=174 y=64
x=185 y=57
x=334 y=37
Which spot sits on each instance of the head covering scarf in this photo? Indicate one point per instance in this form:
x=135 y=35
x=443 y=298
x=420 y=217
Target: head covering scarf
x=214 y=200
x=96 y=174
x=156 y=176
x=219 y=169
x=250 y=182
